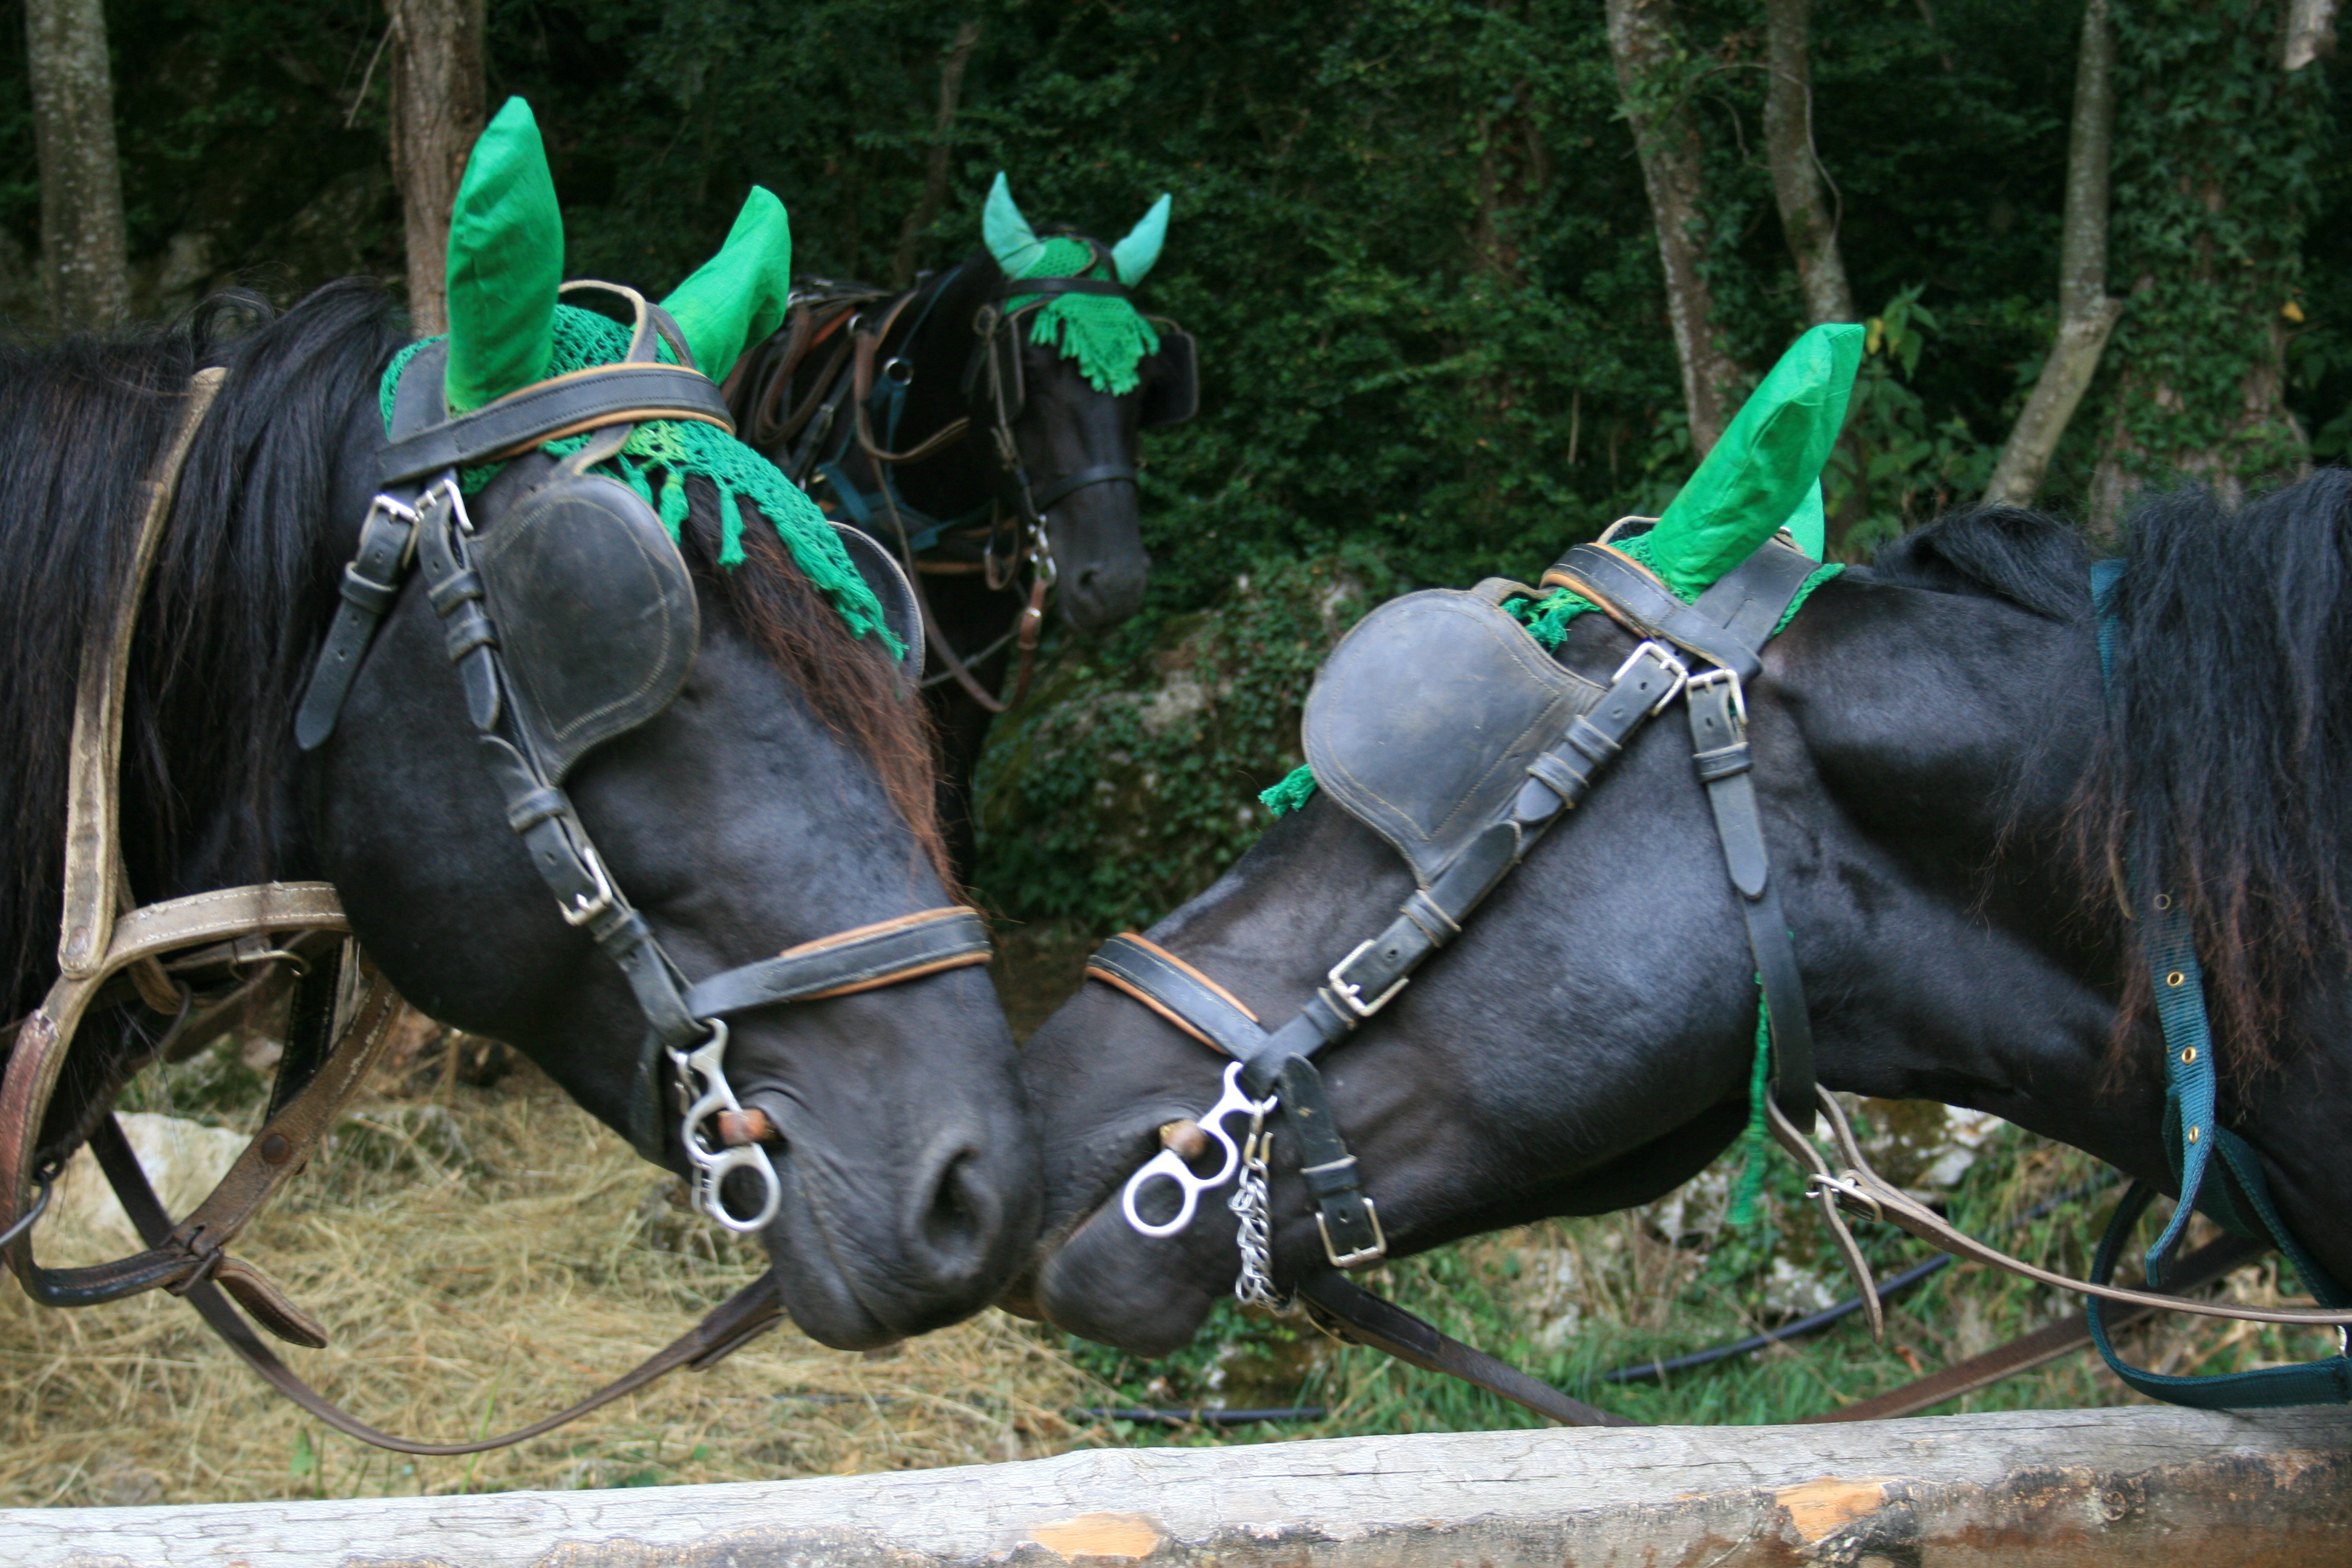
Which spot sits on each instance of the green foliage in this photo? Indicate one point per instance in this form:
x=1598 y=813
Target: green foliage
x=1128 y=780
x=1898 y=465
x=2216 y=153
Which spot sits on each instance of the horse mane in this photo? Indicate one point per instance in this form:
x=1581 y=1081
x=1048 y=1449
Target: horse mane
x=242 y=586
x=2228 y=753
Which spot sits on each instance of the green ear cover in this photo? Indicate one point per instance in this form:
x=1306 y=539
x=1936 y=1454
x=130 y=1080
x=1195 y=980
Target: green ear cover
x=506 y=258
x=1009 y=238
x=1133 y=255
x=1766 y=471
x=737 y=296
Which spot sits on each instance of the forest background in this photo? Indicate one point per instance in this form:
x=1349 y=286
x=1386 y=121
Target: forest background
x=1416 y=241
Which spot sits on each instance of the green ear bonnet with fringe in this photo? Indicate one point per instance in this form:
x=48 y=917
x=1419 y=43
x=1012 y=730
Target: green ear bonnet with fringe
x=1106 y=334
x=507 y=332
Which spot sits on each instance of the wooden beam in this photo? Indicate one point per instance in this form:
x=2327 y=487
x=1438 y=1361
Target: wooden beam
x=2031 y=1488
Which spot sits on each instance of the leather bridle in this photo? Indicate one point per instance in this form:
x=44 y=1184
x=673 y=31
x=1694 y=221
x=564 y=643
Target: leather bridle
x=1002 y=537
x=342 y=1012
x=1724 y=633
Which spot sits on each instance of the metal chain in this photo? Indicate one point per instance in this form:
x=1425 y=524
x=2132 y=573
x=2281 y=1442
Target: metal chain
x=1254 y=1285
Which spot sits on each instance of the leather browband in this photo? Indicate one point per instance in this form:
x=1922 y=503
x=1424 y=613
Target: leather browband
x=582 y=399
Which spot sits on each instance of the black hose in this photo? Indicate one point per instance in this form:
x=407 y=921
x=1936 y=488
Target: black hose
x=1650 y=1371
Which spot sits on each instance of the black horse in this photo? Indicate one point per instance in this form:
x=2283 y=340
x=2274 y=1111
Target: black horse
x=950 y=377
x=1945 y=799
x=784 y=794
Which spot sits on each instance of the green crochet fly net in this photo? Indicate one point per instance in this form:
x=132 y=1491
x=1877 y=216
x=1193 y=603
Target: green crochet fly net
x=1104 y=332
x=679 y=447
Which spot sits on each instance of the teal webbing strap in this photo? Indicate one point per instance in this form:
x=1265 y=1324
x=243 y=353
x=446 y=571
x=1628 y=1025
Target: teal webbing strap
x=2193 y=1133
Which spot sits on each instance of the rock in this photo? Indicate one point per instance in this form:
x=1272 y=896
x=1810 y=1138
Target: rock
x=184 y=1160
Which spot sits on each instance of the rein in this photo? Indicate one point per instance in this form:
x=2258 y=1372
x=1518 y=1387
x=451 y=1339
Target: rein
x=342 y=1011
x=1724 y=632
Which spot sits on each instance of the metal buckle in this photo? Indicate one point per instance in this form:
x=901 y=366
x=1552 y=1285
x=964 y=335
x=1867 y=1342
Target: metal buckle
x=1372 y=1254
x=1847 y=1189
x=582 y=909
x=1660 y=652
x=1350 y=995
x=1720 y=677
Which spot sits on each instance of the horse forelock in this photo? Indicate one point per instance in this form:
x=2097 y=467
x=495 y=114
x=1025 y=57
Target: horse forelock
x=2228 y=759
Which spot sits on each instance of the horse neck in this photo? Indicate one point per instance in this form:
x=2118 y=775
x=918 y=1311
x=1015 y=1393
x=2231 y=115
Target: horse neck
x=1937 y=898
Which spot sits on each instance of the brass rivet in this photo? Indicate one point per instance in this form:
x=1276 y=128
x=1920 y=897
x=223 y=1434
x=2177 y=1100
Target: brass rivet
x=2192 y=1135
x=2189 y=1055
x=2164 y=900
x=2175 y=978
x=275 y=1148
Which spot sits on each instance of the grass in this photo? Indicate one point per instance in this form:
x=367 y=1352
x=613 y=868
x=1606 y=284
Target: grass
x=484 y=1255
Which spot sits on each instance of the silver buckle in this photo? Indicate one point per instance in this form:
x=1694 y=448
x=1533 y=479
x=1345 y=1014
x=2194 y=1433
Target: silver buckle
x=1350 y=995
x=1847 y=1189
x=1658 y=651
x=582 y=909
x=1372 y=1254
x=1720 y=677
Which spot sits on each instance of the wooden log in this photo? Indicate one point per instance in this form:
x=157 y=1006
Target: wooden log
x=2265 y=1490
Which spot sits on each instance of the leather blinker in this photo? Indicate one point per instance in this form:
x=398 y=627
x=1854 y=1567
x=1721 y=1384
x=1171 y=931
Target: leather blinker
x=901 y=612
x=596 y=611
x=1171 y=381
x=1425 y=719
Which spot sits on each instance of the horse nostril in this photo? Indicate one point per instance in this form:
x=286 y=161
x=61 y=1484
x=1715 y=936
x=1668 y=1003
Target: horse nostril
x=959 y=1221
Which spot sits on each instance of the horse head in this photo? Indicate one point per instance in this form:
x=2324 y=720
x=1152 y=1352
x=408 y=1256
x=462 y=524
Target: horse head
x=627 y=654
x=1935 y=782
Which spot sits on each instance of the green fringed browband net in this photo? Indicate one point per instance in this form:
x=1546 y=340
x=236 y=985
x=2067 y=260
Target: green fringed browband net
x=1105 y=334
x=676 y=448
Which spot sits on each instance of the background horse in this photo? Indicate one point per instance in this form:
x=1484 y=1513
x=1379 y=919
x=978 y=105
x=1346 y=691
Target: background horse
x=948 y=362
x=1945 y=799
x=783 y=794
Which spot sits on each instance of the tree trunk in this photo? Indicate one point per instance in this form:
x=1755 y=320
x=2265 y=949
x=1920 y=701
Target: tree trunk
x=2086 y=315
x=83 y=261
x=934 y=172
x=437 y=114
x=2310 y=32
x=1642 y=46
x=1806 y=218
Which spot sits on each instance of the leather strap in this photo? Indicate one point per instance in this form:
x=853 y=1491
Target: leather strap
x=853 y=960
x=735 y=1322
x=1354 y=1313
x=95 y=889
x=1068 y=484
x=2068 y=1334
x=1719 y=747
x=1635 y=599
x=622 y=394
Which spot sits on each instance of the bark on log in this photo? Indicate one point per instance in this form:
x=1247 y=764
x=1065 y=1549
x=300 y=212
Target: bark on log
x=2021 y=1489
x=1806 y=218
x=935 y=169
x=437 y=114
x=1641 y=47
x=2087 y=316
x=83 y=267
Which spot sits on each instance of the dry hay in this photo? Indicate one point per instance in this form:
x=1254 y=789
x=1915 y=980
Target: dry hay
x=482 y=1258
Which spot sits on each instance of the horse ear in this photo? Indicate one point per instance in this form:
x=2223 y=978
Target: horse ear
x=1010 y=239
x=737 y=296
x=506 y=258
x=1767 y=467
x=1133 y=255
